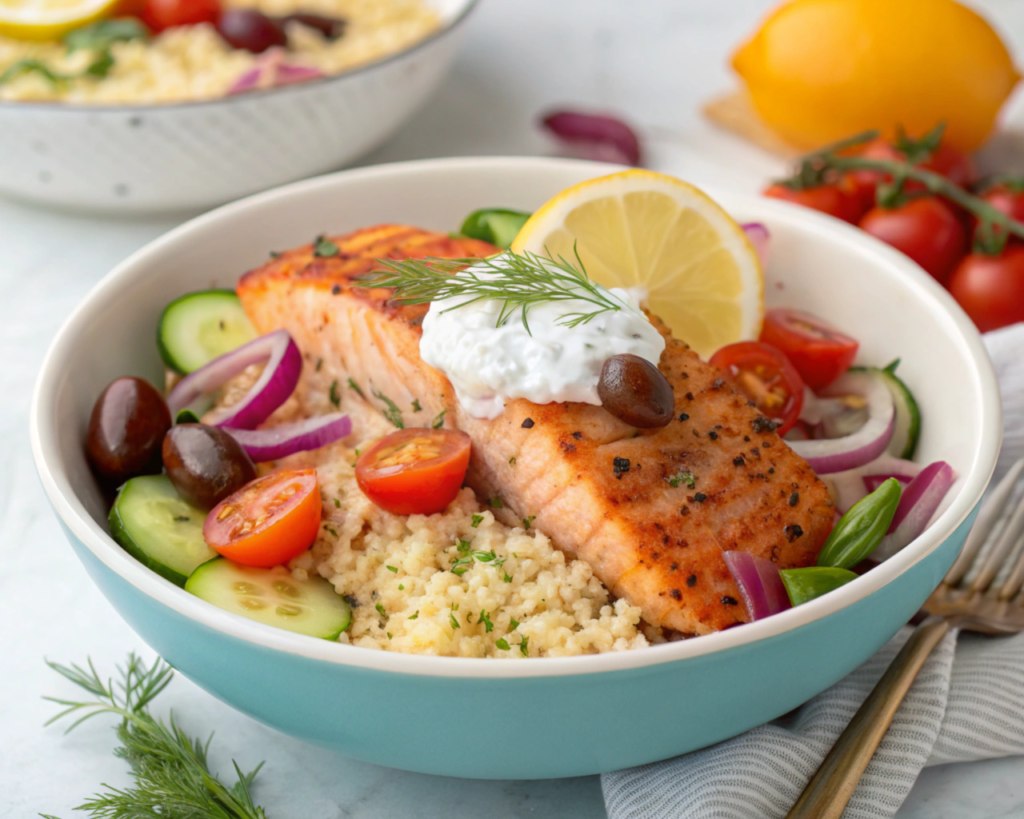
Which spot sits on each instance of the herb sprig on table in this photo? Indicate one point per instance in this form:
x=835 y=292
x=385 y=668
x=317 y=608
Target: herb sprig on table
x=170 y=768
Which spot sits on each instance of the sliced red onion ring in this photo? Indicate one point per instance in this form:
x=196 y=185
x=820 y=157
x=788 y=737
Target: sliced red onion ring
x=918 y=503
x=271 y=71
x=759 y=583
x=854 y=484
x=759 y=238
x=828 y=455
x=595 y=136
x=271 y=390
x=286 y=439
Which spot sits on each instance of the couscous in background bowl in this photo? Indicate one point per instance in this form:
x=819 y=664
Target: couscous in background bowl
x=536 y=718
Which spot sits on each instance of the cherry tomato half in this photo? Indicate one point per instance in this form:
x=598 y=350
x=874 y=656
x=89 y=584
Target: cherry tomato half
x=835 y=200
x=268 y=521
x=414 y=471
x=767 y=378
x=925 y=229
x=819 y=351
x=991 y=288
x=163 y=14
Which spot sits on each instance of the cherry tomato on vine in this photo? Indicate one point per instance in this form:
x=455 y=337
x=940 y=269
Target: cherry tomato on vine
x=925 y=229
x=268 y=521
x=834 y=199
x=767 y=378
x=820 y=352
x=163 y=14
x=991 y=288
x=414 y=471
x=1008 y=198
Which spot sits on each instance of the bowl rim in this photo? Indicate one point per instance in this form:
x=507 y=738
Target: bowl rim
x=55 y=106
x=104 y=548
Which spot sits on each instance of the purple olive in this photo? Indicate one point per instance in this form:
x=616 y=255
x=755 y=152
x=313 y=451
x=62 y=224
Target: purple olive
x=205 y=464
x=251 y=30
x=128 y=423
x=331 y=27
x=634 y=390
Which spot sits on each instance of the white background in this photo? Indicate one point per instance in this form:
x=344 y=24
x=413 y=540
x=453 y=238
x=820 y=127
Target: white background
x=654 y=61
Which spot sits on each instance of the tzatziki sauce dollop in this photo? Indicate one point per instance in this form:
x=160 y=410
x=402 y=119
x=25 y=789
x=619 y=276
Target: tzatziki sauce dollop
x=488 y=365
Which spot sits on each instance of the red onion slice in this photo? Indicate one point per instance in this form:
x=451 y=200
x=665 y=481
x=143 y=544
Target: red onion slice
x=759 y=583
x=828 y=455
x=595 y=136
x=272 y=71
x=271 y=390
x=286 y=439
x=917 y=506
x=854 y=484
x=759 y=238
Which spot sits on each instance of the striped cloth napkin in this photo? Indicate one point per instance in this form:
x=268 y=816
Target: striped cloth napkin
x=966 y=704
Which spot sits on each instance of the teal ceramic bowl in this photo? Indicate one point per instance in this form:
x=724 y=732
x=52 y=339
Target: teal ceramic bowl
x=537 y=718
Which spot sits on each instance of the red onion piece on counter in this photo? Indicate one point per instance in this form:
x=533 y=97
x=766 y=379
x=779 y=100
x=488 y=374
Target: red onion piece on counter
x=918 y=503
x=759 y=583
x=271 y=390
x=595 y=136
x=826 y=455
x=759 y=238
x=286 y=439
x=271 y=71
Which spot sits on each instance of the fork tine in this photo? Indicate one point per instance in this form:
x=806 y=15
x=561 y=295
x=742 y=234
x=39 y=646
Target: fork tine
x=987 y=518
x=1016 y=577
x=1000 y=550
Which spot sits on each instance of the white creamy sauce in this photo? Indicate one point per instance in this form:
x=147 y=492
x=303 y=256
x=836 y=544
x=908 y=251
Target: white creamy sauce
x=489 y=365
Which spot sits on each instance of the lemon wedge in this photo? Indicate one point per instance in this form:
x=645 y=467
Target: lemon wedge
x=644 y=229
x=49 y=19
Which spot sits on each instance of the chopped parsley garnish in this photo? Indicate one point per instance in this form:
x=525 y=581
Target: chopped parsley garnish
x=392 y=413
x=502 y=643
x=496 y=503
x=513 y=624
x=527 y=521
x=416 y=405
x=329 y=529
x=453 y=621
x=477 y=520
x=380 y=608
x=392 y=569
x=508 y=577
x=414 y=615
x=485 y=618
x=438 y=421
x=682 y=477
x=464 y=545
x=512 y=461
x=401 y=587
x=319 y=364
x=337 y=504
x=324 y=247
x=389 y=635
x=523 y=646
x=333 y=394
x=352 y=385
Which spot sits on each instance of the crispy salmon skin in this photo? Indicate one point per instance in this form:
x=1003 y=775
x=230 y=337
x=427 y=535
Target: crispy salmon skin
x=651 y=511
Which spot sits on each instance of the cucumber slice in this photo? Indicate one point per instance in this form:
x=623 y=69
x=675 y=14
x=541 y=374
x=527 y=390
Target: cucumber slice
x=158 y=528
x=498 y=226
x=199 y=327
x=272 y=596
x=908 y=413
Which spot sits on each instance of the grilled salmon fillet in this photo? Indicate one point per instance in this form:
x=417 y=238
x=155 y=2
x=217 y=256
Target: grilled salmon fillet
x=651 y=511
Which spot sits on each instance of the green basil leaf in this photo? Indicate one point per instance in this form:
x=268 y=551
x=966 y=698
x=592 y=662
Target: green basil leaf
x=861 y=529
x=806 y=584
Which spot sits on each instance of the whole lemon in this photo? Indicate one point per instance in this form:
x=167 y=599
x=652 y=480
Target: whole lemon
x=821 y=70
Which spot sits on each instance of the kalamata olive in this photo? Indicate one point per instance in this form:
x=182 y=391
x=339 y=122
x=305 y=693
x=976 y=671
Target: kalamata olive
x=634 y=390
x=128 y=423
x=331 y=27
x=251 y=30
x=205 y=464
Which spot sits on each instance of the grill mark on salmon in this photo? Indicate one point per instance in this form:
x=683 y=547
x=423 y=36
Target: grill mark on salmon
x=600 y=489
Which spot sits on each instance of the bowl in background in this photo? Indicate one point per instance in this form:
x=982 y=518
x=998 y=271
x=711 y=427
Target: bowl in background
x=543 y=717
x=189 y=155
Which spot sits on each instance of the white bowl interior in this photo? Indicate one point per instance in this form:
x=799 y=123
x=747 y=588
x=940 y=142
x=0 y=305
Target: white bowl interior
x=816 y=263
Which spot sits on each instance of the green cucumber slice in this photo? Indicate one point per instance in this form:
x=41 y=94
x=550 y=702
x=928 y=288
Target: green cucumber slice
x=158 y=528
x=908 y=413
x=272 y=596
x=199 y=327
x=498 y=226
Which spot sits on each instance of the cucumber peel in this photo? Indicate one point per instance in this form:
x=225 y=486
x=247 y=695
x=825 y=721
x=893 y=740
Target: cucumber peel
x=199 y=327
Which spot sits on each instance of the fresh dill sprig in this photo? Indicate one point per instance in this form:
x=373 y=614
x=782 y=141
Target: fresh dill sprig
x=172 y=775
x=518 y=280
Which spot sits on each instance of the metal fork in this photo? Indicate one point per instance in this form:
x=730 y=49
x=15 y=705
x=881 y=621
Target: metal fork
x=964 y=600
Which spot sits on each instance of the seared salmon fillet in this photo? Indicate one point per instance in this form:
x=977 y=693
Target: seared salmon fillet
x=651 y=511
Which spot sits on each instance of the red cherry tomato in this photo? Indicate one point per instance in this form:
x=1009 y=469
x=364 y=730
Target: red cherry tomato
x=835 y=200
x=819 y=351
x=991 y=288
x=414 y=471
x=955 y=165
x=767 y=378
x=926 y=229
x=268 y=521
x=1007 y=198
x=164 y=14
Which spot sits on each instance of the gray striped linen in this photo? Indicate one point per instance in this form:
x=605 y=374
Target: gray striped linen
x=966 y=704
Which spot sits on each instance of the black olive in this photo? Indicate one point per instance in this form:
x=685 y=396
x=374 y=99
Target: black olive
x=128 y=423
x=634 y=390
x=250 y=30
x=205 y=464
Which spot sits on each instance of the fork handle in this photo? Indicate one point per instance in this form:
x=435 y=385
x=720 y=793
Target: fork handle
x=831 y=787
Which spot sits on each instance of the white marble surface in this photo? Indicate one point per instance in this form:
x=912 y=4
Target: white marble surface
x=654 y=61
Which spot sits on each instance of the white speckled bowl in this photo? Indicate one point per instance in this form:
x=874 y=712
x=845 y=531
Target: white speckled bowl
x=136 y=158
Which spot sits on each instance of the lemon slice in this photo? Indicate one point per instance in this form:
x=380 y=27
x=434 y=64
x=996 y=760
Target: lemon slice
x=49 y=19
x=644 y=229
